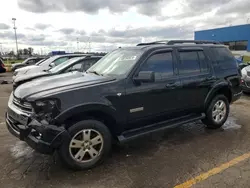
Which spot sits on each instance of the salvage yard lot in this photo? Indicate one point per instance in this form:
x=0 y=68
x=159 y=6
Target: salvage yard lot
x=159 y=160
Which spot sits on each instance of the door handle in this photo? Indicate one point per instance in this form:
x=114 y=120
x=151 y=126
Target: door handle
x=171 y=85
x=210 y=78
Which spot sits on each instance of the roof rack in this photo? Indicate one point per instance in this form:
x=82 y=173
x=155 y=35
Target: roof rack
x=172 y=42
x=152 y=43
x=192 y=41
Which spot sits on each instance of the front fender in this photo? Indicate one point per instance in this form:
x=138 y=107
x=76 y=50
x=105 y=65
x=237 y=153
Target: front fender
x=109 y=110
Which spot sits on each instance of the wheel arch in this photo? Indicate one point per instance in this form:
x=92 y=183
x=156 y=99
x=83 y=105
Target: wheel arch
x=220 y=88
x=101 y=112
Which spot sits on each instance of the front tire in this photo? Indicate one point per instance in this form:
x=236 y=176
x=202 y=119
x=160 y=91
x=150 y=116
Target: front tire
x=217 y=112
x=90 y=143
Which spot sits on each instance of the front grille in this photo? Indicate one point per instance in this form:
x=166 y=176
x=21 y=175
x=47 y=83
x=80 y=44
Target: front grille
x=13 y=123
x=23 y=106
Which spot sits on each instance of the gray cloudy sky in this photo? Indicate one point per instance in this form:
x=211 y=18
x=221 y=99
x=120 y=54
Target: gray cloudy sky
x=106 y=24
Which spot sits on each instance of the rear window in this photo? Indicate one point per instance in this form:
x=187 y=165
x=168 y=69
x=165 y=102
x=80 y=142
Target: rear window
x=192 y=62
x=224 y=58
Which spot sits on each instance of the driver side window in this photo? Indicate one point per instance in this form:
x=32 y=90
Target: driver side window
x=161 y=64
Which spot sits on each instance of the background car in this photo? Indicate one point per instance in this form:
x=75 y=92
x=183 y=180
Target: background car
x=26 y=62
x=46 y=65
x=245 y=79
x=79 y=64
x=2 y=67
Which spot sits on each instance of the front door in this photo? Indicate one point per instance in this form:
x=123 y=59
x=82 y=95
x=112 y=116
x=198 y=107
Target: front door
x=146 y=101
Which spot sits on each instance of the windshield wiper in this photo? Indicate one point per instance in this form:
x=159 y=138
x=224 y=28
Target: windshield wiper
x=94 y=72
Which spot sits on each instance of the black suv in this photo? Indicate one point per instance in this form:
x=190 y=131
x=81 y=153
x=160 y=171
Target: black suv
x=128 y=93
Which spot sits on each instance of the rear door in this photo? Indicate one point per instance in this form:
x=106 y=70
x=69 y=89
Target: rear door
x=196 y=76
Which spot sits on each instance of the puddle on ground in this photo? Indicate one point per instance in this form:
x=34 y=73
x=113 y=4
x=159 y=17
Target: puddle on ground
x=21 y=150
x=231 y=124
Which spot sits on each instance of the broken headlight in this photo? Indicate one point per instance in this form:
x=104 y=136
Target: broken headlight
x=46 y=109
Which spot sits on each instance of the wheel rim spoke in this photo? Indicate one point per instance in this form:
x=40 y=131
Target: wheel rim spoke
x=222 y=105
x=80 y=154
x=76 y=143
x=217 y=118
x=86 y=135
x=96 y=140
x=92 y=152
x=217 y=106
x=215 y=113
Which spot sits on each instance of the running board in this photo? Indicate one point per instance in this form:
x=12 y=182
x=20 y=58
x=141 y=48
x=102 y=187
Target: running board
x=160 y=126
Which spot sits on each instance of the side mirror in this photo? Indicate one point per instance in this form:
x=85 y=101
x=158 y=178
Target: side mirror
x=52 y=65
x=145 y=76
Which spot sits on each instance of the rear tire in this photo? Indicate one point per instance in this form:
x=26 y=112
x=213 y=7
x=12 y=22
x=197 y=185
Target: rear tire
x=217 y=112
x=88 y=146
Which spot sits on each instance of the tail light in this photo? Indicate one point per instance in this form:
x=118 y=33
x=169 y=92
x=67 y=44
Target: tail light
x=2 y=65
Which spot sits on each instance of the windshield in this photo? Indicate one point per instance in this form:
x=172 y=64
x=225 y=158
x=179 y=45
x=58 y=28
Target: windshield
x=49 y=60
x=42 y=60
x=116 y=63
x=26 y=60
x=64 y=65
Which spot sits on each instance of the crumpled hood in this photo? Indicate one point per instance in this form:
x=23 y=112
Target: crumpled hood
x=27 y=77
x=58 y=83
x=29 y=69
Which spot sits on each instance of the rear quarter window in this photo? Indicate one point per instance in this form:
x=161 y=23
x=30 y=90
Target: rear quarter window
x=224 y=58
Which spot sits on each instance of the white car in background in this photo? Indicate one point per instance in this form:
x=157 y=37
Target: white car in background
x=45 y=65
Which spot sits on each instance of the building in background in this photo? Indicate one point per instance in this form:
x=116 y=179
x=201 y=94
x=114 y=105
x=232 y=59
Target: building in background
x=237 y=38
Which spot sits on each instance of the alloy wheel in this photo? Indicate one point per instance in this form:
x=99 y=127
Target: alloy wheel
x=86 y=145
x=219 y=111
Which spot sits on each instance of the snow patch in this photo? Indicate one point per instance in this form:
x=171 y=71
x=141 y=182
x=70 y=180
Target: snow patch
x=21 y=149
x=231 y=124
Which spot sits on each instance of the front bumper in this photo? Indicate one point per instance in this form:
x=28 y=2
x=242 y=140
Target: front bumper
x=245 y=85
x=43 y=138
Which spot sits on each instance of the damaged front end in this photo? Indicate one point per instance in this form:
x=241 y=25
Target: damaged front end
x=44 y=138
x=40 y=132
x=46 y=110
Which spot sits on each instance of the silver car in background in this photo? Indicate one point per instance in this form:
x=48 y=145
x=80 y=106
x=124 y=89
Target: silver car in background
x=45 y=65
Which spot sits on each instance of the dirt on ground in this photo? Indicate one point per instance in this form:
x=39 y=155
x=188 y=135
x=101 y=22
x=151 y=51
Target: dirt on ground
x=159 y=160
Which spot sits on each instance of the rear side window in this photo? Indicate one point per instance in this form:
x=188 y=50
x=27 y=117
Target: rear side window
x=203 y=62
x=224 y=58
x=161 y=64
x=31 y=61
x=192 y=62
